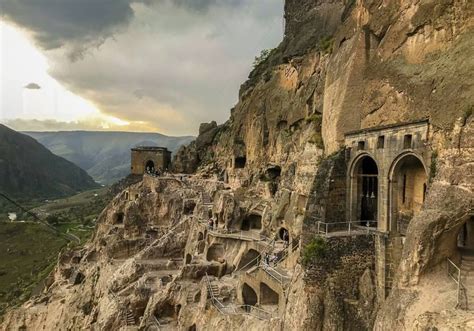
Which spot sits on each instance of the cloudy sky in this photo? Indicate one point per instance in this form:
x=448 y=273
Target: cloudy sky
x=138 y=65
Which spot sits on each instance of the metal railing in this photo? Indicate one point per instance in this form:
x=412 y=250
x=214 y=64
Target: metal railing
x=454 y=272
x=347 y=227
x=275 y=274
x=156 y=322
x=163 y=237
x=256 y=312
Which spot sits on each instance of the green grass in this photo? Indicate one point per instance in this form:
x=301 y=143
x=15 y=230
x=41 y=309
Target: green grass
x=27 y=254
x=29 y=251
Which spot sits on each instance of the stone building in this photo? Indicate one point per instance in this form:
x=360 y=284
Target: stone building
x=149 y=158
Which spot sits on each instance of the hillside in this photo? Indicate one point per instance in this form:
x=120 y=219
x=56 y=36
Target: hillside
x=29 y=170
x=104 y=155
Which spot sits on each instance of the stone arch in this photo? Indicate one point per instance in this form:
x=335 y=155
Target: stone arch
x=215 y=252
x=364 y=190
x=268 y=296
x=249 y=295
x=249 y=259
x=150 y=166
x=408 y=180
x=284 y=234
x=465 y=237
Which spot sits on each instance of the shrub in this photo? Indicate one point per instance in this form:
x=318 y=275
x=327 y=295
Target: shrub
x=317 y=139
x=264 y=54
x=315 y=250
x=325 y=44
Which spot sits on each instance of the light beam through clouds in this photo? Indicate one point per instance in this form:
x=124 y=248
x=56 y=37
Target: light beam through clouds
x=163 y=65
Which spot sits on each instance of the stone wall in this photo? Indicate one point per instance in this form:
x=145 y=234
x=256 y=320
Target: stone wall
x=160 y=157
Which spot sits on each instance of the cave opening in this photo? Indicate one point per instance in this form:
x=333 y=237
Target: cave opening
x=239 y=162
x=249 y=295
x=249 y=260
x=215 y=252
x=408 y=187
x=268 y=296
x=251 y=222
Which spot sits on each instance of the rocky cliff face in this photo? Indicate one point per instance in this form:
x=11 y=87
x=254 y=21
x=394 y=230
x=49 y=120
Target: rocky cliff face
x=276 y=167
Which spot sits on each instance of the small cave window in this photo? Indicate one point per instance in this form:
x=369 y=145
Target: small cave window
x=200 y=236
x=192 y=328
x=127 y=195
x=118 y=218
x=284 y=235
x=189 y=258
x=381 y=142
x=407 y=141
x=282 y=125
x=240 y=162
x=273 y=172
x=251 y=222
x=189 y=206
x=361 y=145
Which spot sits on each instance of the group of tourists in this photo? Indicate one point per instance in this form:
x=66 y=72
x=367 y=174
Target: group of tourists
x=212 y=223
x=269 y=260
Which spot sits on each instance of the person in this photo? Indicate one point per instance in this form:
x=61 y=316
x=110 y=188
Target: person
x=266 y=259
x=274 y=259
x=210 y=224
x=286 y=238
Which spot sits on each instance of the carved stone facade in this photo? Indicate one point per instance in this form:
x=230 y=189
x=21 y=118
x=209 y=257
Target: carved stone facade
x=387 y=174
x=149 y=158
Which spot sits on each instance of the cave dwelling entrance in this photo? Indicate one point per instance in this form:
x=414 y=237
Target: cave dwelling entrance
x=364 y=192
x=408 y=183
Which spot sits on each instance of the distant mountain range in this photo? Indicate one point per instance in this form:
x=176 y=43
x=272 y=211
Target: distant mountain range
x=28 y=170
x=104 y=155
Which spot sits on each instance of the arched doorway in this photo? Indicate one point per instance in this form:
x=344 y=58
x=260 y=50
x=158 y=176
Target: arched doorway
x=268 y=296
x=408 y=184
x=248 y=295
x=250 y=259
x=150 y=166
x=364 y=192
x=284 y=235
x=465 y=240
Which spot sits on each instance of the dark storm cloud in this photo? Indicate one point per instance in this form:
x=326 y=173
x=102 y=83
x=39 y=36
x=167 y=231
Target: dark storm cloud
x=32 y=86
x=54 y=23
x=177 y=63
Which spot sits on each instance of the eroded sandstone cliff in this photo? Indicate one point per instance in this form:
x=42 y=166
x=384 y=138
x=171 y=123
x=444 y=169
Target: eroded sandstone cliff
x=275 y=169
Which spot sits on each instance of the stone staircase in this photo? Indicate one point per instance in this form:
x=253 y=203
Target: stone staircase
x=213 y=290
x=467 y=279
x=129 y=318
x=190 y=297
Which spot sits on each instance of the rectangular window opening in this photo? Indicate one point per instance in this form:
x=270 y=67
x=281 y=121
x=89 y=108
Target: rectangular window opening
x=381 y=142
x=407 y=140
x=361 y=145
